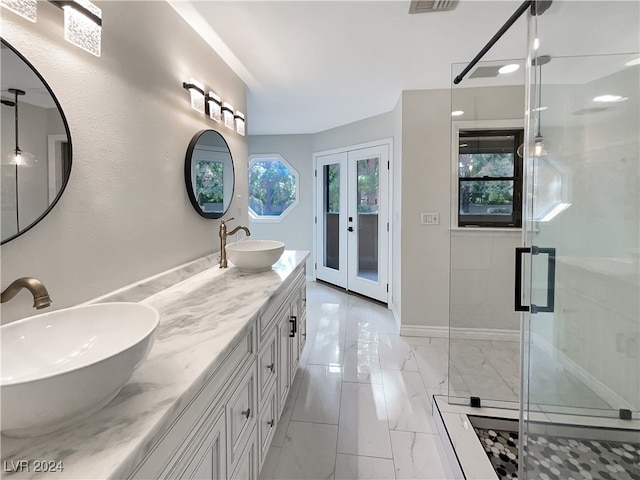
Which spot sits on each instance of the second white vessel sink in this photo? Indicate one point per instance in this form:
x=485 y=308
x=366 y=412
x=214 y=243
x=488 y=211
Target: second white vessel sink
x=254 y=255
x=60 y=367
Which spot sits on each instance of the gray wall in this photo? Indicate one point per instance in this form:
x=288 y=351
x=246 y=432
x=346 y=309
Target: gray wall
x=425 y=188
x=296 y=229
x=125 y=214
x=421 y=254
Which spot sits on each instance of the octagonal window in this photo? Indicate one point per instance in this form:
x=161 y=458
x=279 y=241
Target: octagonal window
x=273 y=188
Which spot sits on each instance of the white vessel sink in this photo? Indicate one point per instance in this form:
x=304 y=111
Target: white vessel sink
x=60 y=367
x=254 y=255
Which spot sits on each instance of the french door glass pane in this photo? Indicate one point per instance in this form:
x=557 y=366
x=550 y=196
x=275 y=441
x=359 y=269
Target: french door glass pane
x=332 y=216
x=367 y=201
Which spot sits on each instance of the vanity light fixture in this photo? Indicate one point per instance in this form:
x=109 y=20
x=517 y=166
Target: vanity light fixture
x=215 y=106
x=82 y=20
x=227 y=114
x=82 y=24
x=212 y=105
x=240 y=124
x=27 y=9
x=196 y=89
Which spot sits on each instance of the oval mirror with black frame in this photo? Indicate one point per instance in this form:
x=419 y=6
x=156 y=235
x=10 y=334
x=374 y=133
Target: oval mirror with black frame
x=36 y=145
x=209 y=174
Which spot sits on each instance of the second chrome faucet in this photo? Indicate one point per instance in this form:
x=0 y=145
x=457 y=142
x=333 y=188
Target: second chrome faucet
x=223 y=239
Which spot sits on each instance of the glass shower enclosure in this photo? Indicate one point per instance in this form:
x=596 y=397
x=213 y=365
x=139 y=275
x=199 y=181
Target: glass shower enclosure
x=580 y=260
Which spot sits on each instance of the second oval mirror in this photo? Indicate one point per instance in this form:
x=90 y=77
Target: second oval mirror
x=209 y=174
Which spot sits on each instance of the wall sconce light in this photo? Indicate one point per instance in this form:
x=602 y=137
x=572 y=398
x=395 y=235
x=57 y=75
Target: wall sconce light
x=27 y=9
x=196 y=89
x=215 y=106
x=227 y=114
x=240 y=126
x=82 y=20
x=82 y=24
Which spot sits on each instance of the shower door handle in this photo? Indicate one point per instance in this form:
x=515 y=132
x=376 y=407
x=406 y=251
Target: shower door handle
x=551 y=279
x=518 y=280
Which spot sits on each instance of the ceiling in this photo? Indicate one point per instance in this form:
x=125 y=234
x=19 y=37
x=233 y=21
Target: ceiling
x=314 y=65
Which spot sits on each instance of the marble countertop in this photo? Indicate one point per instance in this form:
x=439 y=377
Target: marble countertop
x=201 y=317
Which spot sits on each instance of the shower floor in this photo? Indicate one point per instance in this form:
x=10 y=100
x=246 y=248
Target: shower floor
x=560 y=453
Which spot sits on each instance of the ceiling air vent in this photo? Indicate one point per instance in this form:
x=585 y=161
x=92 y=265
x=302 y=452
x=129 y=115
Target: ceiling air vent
x=426 y=6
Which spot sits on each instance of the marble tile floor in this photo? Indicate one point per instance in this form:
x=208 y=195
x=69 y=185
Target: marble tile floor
x=360 y=407
x=490 y=370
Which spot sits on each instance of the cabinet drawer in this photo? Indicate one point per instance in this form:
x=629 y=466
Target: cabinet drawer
x=173 y=444
x=206 y=455
x=241 y=412
x=268 y=317
x=267 y=423
x=267 y=365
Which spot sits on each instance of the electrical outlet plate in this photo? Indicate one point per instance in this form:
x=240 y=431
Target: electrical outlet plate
x=430 y=218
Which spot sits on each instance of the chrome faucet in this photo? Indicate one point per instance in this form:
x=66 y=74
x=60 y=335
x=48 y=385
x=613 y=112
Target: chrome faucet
x=40 y=295
x=223 y=239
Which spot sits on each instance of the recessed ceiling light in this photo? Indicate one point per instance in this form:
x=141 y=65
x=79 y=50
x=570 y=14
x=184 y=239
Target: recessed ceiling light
x=457 y=113
x=631 y=63
x=536 y=43
x=610 y=98
x=512 y=67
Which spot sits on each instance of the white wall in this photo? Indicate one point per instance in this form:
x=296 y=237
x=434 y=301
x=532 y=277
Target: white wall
x=125 y=214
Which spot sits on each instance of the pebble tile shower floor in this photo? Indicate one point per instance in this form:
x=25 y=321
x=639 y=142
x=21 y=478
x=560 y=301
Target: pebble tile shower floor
x=561 y=458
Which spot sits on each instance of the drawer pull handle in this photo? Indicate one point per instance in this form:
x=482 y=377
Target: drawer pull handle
x=247 y=413
x=271 y=423
x=272 y=367
x=294 y=325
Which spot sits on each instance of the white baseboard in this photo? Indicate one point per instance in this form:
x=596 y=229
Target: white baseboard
x=460 y=333
x=424 y=331
x=603 y=391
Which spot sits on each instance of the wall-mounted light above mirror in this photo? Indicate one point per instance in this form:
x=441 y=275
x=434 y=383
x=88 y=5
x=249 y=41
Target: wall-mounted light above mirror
x=82 y=20
x=209 y=174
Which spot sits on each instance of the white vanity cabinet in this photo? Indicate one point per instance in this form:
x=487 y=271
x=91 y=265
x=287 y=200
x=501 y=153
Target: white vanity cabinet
x=225 y=431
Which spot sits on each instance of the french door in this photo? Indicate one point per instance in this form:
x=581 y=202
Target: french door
x=352 y=211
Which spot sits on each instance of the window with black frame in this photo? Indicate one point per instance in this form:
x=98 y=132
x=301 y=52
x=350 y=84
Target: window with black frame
x=490 y=178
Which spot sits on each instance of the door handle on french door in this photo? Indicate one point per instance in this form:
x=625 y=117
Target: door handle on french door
x=518 y=280
x=350 y=229
x=551 y=279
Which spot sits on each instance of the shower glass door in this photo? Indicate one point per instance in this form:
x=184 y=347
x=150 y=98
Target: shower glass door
x=581 y=348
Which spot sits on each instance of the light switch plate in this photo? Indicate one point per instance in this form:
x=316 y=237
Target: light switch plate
x=430 y=218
